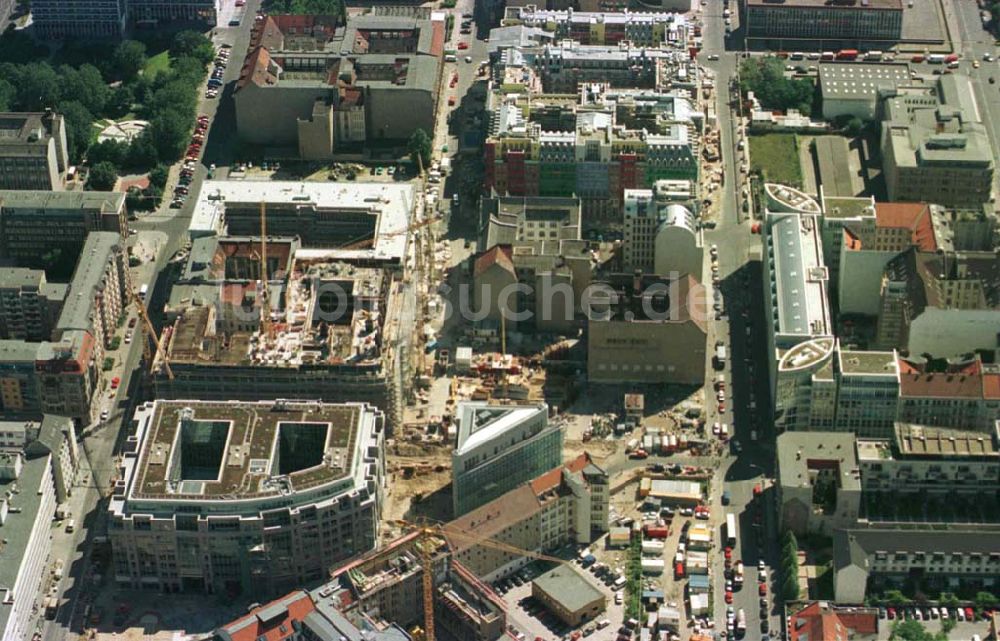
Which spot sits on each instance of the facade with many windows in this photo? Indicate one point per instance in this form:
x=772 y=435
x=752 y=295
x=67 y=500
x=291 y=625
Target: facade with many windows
x=820 y=20
x=96 y=19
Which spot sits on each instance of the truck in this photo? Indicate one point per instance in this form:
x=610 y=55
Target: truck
x=935 y=58
x=143 y=291
x=873 y=55
x=731 y=534
x=741 y=622
x=720 y=355
x=847 y=54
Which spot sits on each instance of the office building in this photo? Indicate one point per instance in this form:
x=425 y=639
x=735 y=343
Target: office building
x=820 y=23
x=498 y=448
x=940 y=303
x=647 y=329
x=28 y=506
x=533 y=242
x=886 y=557
x=309 y=85
x=251 y=496
x=36 y=222
x=824 y=620
x=29 y=304
x=594 y=143
x=33 y=153
x=566 y=505
x=856 y=89
x=569 y=595
x=379 y=597
x=818 y=482
x=149 y=13
x=935 y=146
x=795 y=296
x=52 y=436
x=660 y=236
x=641 y=28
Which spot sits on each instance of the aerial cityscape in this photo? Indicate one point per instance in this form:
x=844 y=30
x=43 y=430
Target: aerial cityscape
x=482 y=320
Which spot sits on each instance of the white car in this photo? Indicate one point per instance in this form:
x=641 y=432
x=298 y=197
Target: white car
x=104 y=415
x=713 y=56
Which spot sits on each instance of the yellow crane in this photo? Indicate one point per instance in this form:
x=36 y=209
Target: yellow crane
x=150 y=332
x=265 y=298
x=430 y=532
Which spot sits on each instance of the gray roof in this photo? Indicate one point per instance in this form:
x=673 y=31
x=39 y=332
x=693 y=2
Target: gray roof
x=796 y=449
x=51 y=435
x=87 y=279
x=854 y=547
x=108 y=201
x=800 y=275
x=14 y=350
x=16 y=529
x=24 y=133
x=21 y=278
x=569 y=588
x=860 y=81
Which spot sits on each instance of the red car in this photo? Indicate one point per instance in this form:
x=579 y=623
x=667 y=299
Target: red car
x=762 y=589
x=729 y=596
x=463 y=45
x=115 y=382
x=728 y=552
x=451 y=101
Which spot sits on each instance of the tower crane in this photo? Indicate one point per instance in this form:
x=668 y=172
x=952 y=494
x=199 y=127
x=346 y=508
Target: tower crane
x=150 y=332
x=429 y=532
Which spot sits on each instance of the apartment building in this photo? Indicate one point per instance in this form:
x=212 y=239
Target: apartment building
x=33 y=153
x=819 y=481
x=647 y=329
x=884 y=558
x=36 y=222
x=819 y=23
x=28 y=506
x=660 y=237
x=965 y=394
x=309 y=84
x=935 y=146
x=940 y=303
x=933 y=460
x=304 y=494
x=53 y=436
x=29 y=304
x=640 y=28
x=566 y=505
x=99 y=291
x=498 y=448
x=68 y=373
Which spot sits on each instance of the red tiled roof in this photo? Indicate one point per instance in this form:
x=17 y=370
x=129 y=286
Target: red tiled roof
x=851 y=242
x=817 y=623
x=254 y=626
x=497 y=255
x=941 y=385
x=915 y=217
x=991 y=386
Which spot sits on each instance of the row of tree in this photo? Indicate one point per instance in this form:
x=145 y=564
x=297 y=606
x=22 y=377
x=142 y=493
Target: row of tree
x=789 y=561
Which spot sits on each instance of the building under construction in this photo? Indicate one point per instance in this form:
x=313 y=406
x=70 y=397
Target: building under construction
x=380 y=598
x=312 y=325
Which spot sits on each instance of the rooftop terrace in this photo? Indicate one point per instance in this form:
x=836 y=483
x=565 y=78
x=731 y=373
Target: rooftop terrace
x=199 y=450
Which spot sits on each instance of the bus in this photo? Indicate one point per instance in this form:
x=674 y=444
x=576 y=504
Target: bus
x=731 y=534
x=847 y=54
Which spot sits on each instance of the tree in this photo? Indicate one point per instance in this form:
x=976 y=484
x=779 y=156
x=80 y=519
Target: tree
x=79 y=128
x=129 y=59
x=911 y=630
x=895 y=597
x=38 y=86
x=420 y=148
x=854 y=127
x=142 y=152
x=119 y=102
x=103 y=177
x=194 y=44
x=8 y=94
x=310 y=7
x=169 y=132
x=158 y=176
x=788 y=538
x=765 y=77
x=86 y=85
x=985 y=600
x=110 y=151
x=790 y=587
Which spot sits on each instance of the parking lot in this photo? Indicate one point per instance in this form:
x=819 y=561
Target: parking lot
x=528 y=617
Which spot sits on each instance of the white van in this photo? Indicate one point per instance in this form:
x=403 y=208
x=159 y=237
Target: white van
x=603 y=623
x=70 y=525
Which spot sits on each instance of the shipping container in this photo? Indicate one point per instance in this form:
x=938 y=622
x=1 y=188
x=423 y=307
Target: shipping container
x=656 y=531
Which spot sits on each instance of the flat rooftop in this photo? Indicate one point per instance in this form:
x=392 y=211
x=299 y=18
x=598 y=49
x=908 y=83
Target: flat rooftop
x=860 y=80
x=797 y=250
x=848 y=207
x=806 y=354
x=869 y=363
x=390 y=204
x=105 y=201
x=571 y=589
x=931 y=442
x=202 y=450
x=480 y=423
x=862 y=5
